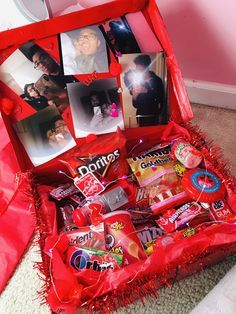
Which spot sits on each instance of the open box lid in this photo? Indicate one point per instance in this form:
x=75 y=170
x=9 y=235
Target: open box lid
x=10 y=40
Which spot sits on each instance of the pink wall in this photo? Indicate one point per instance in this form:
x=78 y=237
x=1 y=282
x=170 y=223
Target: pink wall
x=203 y=33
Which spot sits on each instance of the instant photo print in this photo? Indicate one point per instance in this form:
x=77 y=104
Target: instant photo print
x=44 y=135
x=95 y=108
x=144 y=89
x=84 y=51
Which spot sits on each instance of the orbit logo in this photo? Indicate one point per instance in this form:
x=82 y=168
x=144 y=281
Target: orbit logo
x=81 y=259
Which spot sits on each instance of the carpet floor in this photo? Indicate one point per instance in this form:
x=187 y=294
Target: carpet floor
x=20 y=295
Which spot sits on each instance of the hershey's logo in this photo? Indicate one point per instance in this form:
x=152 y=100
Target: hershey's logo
x=98 y=163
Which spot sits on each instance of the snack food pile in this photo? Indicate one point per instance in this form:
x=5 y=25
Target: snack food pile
x=117 y=208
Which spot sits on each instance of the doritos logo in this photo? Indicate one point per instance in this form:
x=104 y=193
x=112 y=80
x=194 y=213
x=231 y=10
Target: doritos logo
x=98 y=163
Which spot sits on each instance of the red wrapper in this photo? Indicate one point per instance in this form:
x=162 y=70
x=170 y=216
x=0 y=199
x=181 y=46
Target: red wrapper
x=219 y=210
x=174 y=219
x=105 y=156
x=90 y=236
x=147 y=234
x=63 y=191
x=121 y=236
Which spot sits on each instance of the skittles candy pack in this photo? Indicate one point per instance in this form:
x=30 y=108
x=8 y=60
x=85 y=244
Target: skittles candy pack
x=99 y=155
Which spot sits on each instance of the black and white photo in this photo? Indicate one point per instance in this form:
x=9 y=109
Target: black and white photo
x=95 y=108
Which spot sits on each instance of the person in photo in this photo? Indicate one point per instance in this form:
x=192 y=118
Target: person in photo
x=90 y=51
x=43 y=61
x=38 y=136
x=62 y=129
x=54 y=93
x=99 y=112
x=33 y=97
x=147 y=91
x=59 y=135
x=122 y=38
x=95 y=108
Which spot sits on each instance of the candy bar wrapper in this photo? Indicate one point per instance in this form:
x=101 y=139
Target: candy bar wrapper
x=89 y=236
x=147 y=234
x=141 y=210
x=63 y=191
x=176 y=218
x=142 y=198
x=64 y=218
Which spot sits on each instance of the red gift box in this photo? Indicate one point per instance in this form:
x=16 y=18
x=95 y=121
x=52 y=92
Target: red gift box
x=176 y=255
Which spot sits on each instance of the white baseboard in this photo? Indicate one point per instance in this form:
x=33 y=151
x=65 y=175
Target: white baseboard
x=211 y=94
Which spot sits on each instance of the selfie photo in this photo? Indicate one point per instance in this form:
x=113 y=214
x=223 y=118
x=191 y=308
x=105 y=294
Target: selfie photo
x=120 y=36
x=95 y=108
x=44 y=135
x=144 y=89
x=84 y=51
x=36 y=77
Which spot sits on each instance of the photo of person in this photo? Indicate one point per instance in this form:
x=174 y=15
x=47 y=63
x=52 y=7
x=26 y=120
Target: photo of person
x=120 y=36
x=144 y=88
x=24 y=72
x=33 y=97
x=95 y=108
x=42 y=61
x=58 y=134
x=84 y=51
x=45 y=63
x=44 y=135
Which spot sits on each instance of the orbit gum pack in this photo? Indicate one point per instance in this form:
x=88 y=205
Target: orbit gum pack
x=85 y=259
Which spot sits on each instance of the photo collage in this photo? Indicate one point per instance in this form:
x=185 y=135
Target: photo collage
x=52 y=85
